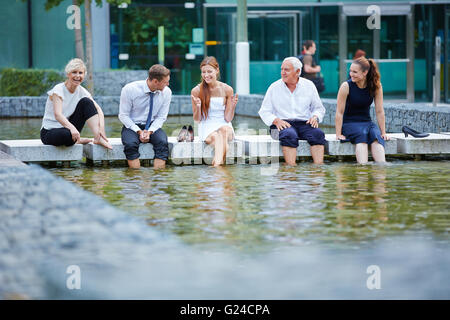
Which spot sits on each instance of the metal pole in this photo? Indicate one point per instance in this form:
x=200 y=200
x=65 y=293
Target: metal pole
x=437 y=72
x=242 y=50
x=446 y=54
x=342 y=45
x=161 y=45
x=410 y=56
x=30 y=35
x=205 y=30
x=376 y=43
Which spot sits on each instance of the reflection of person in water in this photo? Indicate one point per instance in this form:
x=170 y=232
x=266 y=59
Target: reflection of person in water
x=366 y=206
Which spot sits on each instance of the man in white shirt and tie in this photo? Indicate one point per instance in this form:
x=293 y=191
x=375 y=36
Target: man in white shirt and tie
x=144 y=106
x=293 y=109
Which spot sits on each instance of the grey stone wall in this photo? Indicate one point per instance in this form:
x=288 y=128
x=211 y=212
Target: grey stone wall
x=110 y=83
x=419 y=116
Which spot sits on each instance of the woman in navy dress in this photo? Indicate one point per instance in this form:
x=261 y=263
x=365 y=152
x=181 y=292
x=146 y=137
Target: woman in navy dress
x=353 y=120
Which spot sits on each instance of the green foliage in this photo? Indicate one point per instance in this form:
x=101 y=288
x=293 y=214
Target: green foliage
x=28 y=82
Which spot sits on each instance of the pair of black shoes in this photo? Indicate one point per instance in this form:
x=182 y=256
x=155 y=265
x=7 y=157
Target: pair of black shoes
x=416 y=134
x=186 y=134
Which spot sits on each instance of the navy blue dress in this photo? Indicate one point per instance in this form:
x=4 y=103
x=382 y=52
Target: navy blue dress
x=357 y=126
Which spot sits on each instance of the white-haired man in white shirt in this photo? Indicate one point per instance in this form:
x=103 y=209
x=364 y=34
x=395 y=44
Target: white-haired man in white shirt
x=293 y=110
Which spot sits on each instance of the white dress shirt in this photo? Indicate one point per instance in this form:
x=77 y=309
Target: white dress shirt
x=135 y=105
x=302 y=104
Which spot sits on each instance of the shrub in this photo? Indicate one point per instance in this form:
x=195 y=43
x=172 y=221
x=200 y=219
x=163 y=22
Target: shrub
x=28 y=82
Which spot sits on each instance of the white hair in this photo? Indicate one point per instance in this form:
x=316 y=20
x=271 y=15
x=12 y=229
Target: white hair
x=296 y=63
x=75 y=64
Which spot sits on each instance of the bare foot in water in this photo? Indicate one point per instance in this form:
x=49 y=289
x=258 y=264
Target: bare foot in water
x=216 y=163
x=102 y=142
x=84 y=140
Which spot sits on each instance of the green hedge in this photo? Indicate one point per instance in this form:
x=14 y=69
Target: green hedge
x=28 y=82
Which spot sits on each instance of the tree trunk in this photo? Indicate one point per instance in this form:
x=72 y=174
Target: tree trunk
x=88 y=36
x=78 y=39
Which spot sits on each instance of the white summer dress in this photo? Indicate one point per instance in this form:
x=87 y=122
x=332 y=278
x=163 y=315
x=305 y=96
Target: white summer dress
x=215 y=120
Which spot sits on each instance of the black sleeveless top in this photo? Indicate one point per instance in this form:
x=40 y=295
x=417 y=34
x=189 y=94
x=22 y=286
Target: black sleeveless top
x=358 y=104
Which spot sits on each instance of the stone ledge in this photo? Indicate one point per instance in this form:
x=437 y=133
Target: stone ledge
x=433 y=144
x=179 y=152
x=35 y=151
x=197 y=152
x=338 y=148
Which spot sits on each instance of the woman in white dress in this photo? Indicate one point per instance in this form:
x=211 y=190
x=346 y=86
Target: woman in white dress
x=213 y=106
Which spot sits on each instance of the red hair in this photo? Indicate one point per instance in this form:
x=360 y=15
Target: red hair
x=205 y=93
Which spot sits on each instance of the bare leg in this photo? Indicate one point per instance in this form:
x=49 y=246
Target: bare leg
x=226 y=133
x=84 y=140
x=134 y=164
x=159 y=164
x=378 y=152
x=212 y=140
x=219 y=148
x=317 y=152
x=362 y=153
x=290 y=155
x=93 y=124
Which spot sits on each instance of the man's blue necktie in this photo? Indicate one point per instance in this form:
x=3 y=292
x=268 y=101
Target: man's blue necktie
x=149 y=118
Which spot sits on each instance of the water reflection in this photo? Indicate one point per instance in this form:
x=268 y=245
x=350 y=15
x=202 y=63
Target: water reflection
x=235 y=206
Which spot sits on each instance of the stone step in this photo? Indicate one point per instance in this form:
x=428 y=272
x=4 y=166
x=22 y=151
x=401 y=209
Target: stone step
x=433 y=144
x=35 y=151
x=179 y=152
x=95 y=152
x=338 y=148
x=265 y=146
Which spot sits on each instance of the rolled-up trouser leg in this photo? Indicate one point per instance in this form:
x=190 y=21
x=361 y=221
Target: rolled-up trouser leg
x=130 y=141
x=160 y=144
x=288 y=137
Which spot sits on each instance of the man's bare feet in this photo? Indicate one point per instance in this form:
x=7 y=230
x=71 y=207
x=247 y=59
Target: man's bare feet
x=103 y=143
x=84 y=140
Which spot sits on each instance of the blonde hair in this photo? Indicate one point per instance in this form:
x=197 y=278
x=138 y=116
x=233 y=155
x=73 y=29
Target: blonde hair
x=75 y=64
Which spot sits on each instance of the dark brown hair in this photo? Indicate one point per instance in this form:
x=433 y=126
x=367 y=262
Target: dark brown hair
x=308 y=44
x=158 y=72
x=373 y=75
x=205 y=93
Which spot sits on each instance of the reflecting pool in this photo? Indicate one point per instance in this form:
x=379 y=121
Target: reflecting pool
x=339 y=205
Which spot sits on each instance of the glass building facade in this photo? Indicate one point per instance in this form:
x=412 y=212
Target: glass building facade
x=127 y=38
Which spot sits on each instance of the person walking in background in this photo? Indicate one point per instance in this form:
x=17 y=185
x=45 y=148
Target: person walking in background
x=69 y=106
x=353 y=120
x=213 y=106
x=359 y=53
x=143 y=109
x=293 y=110
x=310 y=68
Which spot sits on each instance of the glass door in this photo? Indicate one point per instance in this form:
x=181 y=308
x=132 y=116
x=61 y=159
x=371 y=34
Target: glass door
x=272 y=36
